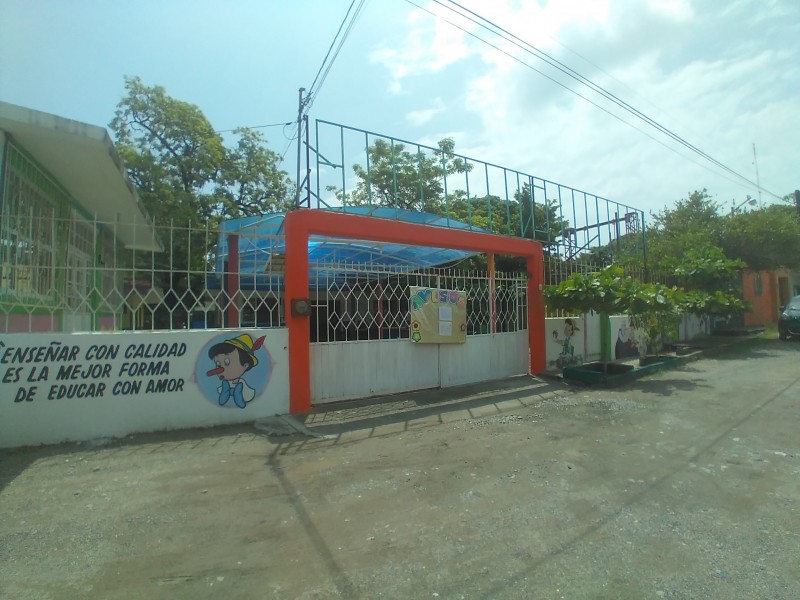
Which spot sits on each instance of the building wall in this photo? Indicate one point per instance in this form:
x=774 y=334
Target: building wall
x=762 y=289
x=48 y=255
x=72 y=387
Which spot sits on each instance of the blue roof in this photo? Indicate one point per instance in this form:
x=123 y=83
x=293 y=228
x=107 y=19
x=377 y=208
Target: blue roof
x=262 y=236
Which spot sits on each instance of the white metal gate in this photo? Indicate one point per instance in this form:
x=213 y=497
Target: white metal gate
x=361 y=345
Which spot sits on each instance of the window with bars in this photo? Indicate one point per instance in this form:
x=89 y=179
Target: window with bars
x=79 y=275
x=29 y=229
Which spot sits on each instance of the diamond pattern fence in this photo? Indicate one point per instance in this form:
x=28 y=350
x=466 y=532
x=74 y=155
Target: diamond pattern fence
x=84 y=279
x=371 y=302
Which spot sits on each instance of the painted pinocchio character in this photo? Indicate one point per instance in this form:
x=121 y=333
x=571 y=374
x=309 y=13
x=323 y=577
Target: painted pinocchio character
x=233 y=358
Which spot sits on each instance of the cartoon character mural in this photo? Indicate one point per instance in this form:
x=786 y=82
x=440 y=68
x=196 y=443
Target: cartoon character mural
x=629 y=342
x=567 y=355
x=234 y=358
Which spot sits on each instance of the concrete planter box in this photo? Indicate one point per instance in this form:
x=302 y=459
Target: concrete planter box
x=596 y=373
x=617 y=373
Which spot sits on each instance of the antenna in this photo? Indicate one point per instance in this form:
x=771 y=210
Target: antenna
x=758 y=180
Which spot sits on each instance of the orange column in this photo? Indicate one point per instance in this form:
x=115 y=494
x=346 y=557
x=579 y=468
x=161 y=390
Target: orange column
x=296 y=286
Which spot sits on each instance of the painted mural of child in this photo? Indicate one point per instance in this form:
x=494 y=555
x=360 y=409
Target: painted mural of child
x=566 y=355
x=570 y=327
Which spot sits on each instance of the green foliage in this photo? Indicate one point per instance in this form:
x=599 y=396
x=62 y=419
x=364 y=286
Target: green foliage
x=414 y=180
x=767 y=238
x=708 y=269
x=181 y=167
x=184 y=174
x=398 y=178
x=602 y=292
x=695 y=238
x=251 y=182
x=693 y=223
x=717 y=303
x=656 y=309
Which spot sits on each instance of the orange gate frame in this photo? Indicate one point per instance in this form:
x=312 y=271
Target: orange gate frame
x=301 y=224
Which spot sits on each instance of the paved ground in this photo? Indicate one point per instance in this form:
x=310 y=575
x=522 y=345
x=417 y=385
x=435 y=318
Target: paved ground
x=681 y=485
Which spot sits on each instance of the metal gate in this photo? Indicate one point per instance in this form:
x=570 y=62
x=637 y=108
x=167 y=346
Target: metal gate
x=360 y=331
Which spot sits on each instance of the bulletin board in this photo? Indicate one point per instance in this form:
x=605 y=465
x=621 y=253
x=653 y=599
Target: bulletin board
x=438 y=316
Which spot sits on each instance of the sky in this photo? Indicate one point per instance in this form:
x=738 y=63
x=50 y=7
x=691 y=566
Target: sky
x=723 y=75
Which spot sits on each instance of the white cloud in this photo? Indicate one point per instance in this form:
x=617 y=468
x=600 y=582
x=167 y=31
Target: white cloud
x=717 y=83
x=423 y=116
x=430 y=46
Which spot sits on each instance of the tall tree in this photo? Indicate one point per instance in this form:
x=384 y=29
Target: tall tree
x=693 y=222
x=398 y=178
x=767 y=238
x=181 y=167
x=251 y=182
x=187 y=177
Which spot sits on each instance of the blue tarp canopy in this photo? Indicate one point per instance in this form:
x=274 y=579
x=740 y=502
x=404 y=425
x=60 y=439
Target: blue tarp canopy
x=262 y=246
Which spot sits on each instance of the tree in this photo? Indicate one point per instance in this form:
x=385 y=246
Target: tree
x=251 y=182
x=604 y=292
x=708 y=269
x=693 y=223
x=181 y=167
x=186 y=177
x=767 y=238
x=397 y=178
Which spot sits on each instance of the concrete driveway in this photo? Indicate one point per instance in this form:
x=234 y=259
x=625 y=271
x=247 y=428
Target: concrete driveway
x=685 y=484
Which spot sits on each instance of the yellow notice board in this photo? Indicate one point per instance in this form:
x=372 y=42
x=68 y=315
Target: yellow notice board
x=438 y=316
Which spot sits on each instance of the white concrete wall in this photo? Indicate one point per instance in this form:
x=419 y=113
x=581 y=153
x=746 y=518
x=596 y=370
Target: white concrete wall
x=584 y=343
x=484 y=358
x=70 y=387
x=347 y=370
x=693 y=326
x=624 y=340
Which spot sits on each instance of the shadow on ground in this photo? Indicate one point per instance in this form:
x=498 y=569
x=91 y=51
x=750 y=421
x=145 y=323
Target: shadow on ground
x=477 y=400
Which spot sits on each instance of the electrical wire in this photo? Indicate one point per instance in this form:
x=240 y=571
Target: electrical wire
x=552 y=62
x=605 y=110
x=324 y=60
x=326 y=65
x=255 y=127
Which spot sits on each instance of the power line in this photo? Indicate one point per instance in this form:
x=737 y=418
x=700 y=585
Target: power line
x=546 y=76
x=326 y=65
x=324 y=60
x=554 y=63
x=284 y=123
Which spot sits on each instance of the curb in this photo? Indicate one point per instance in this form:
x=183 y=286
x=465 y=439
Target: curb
x=588 y=377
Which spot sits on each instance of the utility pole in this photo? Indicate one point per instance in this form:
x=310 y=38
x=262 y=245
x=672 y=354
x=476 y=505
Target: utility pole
x=758 y=181
x=300 y=107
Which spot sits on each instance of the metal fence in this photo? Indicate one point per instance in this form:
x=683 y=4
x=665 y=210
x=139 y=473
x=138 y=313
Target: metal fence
x=350 y=166
x=82 y=278
x=371 y=302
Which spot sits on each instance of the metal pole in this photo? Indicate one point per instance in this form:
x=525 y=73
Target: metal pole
x=299 y=141
x=308 y=166
x=758 y=180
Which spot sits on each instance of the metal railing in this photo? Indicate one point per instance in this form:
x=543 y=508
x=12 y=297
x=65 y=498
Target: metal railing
x=88 y=281
x=348 y=166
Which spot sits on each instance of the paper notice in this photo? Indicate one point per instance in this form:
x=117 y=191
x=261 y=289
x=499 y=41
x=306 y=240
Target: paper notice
x=445 y=328
x=445 y=313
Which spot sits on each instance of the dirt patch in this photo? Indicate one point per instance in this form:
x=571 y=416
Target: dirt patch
x=681 y=485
